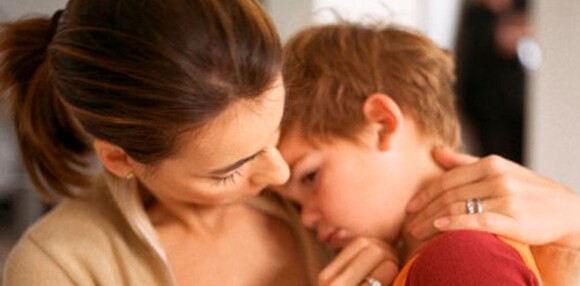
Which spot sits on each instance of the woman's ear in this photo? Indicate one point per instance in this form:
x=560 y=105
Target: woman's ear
x=114 y=158
x=382 y=111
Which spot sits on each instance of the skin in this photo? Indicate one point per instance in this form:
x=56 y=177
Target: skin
x=200 y=213
x=518 y=203
x=359 y=189
x=206 y=213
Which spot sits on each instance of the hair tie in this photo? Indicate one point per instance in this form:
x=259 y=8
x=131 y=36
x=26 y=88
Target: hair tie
x=54 y=23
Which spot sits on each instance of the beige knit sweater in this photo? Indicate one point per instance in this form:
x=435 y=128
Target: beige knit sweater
x=103 y=240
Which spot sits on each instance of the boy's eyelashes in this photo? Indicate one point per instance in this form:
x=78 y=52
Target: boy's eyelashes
x=296 y=205
x=305 y=171
x=309 y=178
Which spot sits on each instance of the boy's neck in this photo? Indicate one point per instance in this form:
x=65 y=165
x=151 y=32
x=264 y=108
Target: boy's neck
x=427 y=175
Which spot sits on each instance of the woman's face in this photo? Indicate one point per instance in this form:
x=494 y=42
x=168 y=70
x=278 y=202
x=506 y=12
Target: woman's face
x=232 y=158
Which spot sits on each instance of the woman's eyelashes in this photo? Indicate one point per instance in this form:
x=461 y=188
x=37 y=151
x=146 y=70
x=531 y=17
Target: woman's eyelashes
x=229 y=179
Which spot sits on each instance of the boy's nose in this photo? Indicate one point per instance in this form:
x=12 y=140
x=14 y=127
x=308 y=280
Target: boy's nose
x=309 y=216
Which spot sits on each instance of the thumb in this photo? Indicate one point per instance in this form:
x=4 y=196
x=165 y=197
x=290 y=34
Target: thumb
x=449 y=159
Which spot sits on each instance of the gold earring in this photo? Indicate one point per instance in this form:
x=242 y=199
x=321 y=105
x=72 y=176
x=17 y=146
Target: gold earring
x=129 y=176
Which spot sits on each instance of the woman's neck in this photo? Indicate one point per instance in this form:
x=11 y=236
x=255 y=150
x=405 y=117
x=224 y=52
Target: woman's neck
x=204 y=221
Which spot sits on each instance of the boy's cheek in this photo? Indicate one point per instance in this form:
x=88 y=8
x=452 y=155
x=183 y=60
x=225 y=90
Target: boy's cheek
x=342 y=213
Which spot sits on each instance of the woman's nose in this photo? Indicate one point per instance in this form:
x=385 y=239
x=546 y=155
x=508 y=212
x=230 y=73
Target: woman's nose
x=273 y=170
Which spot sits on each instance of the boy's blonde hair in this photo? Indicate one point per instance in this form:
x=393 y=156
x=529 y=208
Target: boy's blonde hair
x=329 y=71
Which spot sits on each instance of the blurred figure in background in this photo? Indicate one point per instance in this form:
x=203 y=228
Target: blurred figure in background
x=491 y=83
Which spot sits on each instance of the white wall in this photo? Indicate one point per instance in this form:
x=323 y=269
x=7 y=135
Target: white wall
x=290 y=15
x=437 y=19
x=440 y=19
x=13 y=9
x=404 y=12
x=554 y=123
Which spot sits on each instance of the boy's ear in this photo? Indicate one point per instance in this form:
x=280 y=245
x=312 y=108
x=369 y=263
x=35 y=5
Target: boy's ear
x=380 y=109
x=114 y=158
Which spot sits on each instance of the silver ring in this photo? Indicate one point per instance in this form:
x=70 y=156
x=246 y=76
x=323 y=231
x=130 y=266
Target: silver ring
x=373 y=282
x=470 y=206
x=478 y=206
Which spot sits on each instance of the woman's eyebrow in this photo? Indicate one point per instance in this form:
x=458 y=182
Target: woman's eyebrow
x=229 y=168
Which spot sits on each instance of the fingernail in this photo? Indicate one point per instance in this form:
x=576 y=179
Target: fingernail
x=441 y=223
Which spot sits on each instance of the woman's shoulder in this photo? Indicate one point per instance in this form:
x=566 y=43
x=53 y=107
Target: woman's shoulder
x=45 y=252
x=75 y=218
x=470 y=258
x=72 y=222
x=76 y=233
x=83 y=242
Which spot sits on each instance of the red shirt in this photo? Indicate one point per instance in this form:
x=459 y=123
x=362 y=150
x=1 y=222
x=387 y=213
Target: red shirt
x=469 y=258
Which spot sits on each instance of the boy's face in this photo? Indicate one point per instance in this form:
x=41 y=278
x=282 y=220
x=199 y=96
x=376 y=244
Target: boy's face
x=347 y=189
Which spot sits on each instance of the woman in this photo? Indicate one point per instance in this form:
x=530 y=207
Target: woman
x=181 y=102
x=159 y=90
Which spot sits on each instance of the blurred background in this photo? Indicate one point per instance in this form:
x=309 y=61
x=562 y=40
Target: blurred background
x=518 y=87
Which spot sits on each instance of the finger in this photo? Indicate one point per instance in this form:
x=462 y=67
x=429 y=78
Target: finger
x=449 y=159
x=424 y=196
x=482 y=189
x=359 y=267
x=487 y=221
x=386 y=272
x=426 y=228
x=344 y=257
x=486 y=167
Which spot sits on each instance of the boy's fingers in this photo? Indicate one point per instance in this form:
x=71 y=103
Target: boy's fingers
x=385 y=272
x=343 y=259
x=360 y=259
x=361 y=267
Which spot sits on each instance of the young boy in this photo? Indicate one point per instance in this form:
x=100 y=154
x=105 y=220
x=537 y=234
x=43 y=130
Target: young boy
x=365 y=108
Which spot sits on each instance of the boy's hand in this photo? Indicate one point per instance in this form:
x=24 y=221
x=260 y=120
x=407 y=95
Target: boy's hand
x=517 y=203
x=361 y=259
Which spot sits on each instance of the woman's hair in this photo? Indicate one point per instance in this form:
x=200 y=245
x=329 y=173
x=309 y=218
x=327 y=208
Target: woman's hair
x=135 y=73
x=329 y=72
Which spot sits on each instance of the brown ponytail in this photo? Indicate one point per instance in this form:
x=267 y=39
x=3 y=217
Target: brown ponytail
x=135 y=73
x=52 y=144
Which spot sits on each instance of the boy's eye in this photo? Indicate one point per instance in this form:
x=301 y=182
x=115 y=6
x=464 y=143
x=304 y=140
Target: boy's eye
x=297 y=206
x=309 y=178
